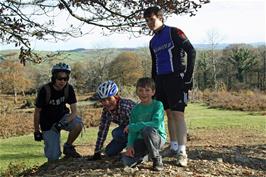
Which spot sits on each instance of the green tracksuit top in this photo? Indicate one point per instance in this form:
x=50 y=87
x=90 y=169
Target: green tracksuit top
x=143 y=115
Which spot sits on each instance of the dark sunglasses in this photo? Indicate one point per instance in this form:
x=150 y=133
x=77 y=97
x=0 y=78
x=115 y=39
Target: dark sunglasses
x=62 y=78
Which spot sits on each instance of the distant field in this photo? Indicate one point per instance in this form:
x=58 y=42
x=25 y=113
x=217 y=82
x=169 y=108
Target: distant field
x=23 y=149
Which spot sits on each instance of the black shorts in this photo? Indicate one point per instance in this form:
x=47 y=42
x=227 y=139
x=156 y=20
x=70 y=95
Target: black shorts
x=170 y=91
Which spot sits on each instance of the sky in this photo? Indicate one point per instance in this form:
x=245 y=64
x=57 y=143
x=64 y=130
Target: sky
x=232 y=21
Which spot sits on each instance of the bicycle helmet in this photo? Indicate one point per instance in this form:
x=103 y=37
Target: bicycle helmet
x=107 y=89
x=59 y=67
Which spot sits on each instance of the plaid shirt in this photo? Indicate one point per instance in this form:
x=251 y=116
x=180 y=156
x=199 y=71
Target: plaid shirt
x=120 y=116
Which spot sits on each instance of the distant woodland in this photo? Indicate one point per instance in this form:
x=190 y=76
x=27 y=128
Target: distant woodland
x=235 y=67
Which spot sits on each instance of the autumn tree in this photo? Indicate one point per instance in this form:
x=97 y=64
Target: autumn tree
x=126 y=68
x=79 y=75
x=21 y=21
x=146 y=61
x=13 y=78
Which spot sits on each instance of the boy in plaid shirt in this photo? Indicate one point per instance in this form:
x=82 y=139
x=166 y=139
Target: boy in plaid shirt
x=116 y=110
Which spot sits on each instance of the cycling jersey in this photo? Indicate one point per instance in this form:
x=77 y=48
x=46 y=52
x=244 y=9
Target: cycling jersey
x=168 y=47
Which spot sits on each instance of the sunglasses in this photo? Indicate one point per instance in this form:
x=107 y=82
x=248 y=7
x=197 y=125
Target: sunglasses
x=62 y=78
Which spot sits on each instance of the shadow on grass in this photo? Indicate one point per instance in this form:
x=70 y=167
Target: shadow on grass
x=247 y=156
x=20 y=156
x=24 y=145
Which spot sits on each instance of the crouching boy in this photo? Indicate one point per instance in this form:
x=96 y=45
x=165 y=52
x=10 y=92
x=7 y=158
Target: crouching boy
x=146 y=131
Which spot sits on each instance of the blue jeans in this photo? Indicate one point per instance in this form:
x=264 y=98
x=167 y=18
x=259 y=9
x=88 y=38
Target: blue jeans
x=118 y=142
x=51 y=139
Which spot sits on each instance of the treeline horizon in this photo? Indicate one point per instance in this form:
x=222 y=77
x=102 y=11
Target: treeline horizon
x=238 y=66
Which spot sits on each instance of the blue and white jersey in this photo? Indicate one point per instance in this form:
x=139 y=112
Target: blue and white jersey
x=168 y=47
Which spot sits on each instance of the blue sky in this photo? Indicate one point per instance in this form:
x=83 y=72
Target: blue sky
x=233 y=21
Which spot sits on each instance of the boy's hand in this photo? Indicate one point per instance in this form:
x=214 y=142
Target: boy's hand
x=130 y=152
x=38 y=136
x=126 y=129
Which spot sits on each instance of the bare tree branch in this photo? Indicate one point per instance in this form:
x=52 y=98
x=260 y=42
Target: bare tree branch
x=24 y=20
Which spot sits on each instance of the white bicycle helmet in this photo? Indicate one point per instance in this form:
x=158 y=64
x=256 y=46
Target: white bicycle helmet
x=107 y=89
x=61 y=67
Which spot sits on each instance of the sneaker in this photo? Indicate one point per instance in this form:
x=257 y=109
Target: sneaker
x=130 y=161
x=70 y=151
x=157 y=164
x=169 y=153
x=182 y=159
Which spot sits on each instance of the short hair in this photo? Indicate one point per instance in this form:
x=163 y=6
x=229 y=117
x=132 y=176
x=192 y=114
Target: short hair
x=153 y=10
x=146 y=82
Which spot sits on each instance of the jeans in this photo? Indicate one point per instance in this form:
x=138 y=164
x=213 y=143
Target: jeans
x=149 y=145
x=51 y=139
x=118 y=142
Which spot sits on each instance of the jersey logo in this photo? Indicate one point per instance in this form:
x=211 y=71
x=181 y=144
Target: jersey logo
x=181 y=34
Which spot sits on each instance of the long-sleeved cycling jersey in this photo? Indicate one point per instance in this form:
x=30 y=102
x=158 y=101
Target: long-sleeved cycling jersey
x=168 y=47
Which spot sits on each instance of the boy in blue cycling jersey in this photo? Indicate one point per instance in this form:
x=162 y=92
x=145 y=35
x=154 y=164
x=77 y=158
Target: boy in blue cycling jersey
x=172 y=77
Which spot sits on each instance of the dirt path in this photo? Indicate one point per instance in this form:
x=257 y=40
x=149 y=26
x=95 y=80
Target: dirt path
x=211 y=153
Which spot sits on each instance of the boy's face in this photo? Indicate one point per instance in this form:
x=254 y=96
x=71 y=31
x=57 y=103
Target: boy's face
x=154 y=22
x=109 y=103
x=145 y=94
x=61 y=80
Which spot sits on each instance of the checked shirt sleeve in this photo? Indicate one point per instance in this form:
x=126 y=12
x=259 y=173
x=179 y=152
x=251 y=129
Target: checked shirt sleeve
x=103 y=131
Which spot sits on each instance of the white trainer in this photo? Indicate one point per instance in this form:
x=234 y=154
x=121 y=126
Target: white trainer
x=182 y=159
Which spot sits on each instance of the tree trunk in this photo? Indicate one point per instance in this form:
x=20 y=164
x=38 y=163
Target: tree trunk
x=15 y=96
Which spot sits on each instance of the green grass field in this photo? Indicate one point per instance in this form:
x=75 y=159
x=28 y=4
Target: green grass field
x=26 y=152
x=199 y=116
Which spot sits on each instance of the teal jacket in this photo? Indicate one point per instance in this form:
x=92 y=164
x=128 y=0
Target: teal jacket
x=142 y=115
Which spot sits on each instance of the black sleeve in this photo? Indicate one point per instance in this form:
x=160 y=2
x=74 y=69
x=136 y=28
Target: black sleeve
x=182 y=40
x=72 y=96
x=40 y=99
x=153 y=66
x=191 y=55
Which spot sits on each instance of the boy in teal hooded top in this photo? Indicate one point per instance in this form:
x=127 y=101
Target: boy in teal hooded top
x=146 y=131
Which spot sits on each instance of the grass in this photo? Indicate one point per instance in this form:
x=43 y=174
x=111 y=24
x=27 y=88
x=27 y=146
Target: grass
x=23 y=150
x=199 y=116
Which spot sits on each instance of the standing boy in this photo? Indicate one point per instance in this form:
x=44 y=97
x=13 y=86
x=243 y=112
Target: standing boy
x=51 y=114
x=146 y=132
x=173 y=79
x=116 y=110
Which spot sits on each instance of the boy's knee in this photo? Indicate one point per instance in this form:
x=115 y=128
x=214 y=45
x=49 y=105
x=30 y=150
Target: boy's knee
x=116 y=132
x=147 y=131
x=119 y=135
x=75 y=125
